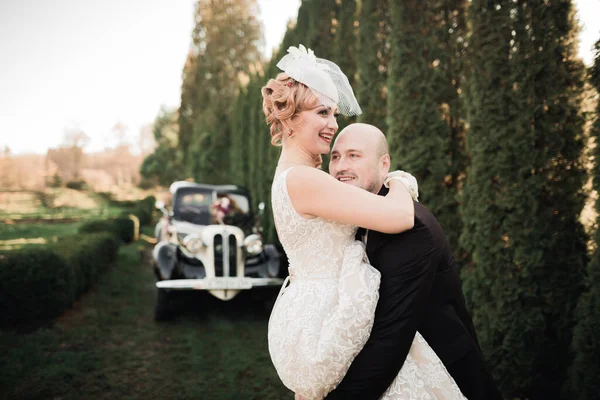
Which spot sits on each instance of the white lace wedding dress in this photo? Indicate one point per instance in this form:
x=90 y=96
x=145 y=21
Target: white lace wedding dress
x=324 y=317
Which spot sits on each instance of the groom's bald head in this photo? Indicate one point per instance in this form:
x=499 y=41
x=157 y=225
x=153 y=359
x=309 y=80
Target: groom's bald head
x=365 y=135
x=360 y=157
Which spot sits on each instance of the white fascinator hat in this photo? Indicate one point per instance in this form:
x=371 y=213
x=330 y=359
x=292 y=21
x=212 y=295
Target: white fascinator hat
x=323 y=77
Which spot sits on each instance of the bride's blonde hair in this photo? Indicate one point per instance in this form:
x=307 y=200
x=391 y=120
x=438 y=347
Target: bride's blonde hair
x=283 y=99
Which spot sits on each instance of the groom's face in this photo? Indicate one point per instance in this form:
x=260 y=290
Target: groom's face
x=355 y=161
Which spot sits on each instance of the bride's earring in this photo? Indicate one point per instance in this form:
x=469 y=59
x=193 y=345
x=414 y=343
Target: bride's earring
x=291 y=134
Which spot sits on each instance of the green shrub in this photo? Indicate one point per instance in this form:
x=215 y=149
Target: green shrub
x=148 y=202
x=105 y=195
x=38 y=284
x=142 y=214
x=144 y=210
x=98 y=225
x=109 y=197
x=123 y=228
x=46 y=199
x=123 y=203
x=147 y=183
x=77 y=185
x=35 y=285
x=55 y=181
x=88 y=255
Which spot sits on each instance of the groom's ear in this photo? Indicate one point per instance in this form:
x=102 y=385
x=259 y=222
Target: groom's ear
x=385 y=163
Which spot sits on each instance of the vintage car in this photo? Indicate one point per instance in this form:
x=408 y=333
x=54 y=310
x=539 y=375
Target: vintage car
x=211 y=240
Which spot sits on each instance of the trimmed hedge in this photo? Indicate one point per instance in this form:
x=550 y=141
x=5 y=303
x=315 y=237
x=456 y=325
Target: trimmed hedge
x=108 y=196
x=35 y=285
x=123 y=228
x=38 y=284
x=144 y=210
x=89 y=257
x=77 y=185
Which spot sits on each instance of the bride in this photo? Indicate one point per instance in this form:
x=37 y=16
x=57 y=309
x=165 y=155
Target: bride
x=324 y=317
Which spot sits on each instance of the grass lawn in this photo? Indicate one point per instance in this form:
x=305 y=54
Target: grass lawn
x=55 y=204
x=109 y=347
x=36 y=230
x=15 y=235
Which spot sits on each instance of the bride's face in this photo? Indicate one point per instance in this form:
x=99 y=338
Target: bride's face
x=317 y=128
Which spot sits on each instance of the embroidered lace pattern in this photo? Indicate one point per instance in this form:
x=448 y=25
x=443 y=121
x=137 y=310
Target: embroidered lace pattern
x=324 y=317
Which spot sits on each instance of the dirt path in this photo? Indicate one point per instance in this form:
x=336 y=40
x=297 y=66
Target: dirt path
x=109 y=347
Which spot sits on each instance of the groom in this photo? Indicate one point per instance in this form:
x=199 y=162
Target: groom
x=420 y=288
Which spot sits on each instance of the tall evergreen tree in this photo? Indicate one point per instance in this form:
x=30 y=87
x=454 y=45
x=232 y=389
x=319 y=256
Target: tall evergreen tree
x=265 y=156
x=584 y=383
x=425 y=125
x=373 y=48
x=344 y=45
x=321 y=31
x=239 y=138
x=164 y=165
x=188 y=103
x=224 y=46
x=523 y=192
x=344 y=49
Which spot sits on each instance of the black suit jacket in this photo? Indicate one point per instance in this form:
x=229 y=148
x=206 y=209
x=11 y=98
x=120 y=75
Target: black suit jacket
x=420 y=290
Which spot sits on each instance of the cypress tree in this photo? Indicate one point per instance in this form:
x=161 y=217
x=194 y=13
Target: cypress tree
x=164 y=164
x=584 y=383
x=239 y=133
x=344 y=49
x=254 y=164
x=299 y=32
x=373 y=47
x=224 y=46
x=320 y=33
x=523 y=194
x=264 y=159
x=425 y=122
x=188 y=104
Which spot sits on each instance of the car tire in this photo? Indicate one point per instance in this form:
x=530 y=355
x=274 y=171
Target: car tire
x=269 y=302
x=271 y=268
x=162 y=307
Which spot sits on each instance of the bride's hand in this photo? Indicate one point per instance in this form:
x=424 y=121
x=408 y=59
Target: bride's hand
x=298 y=397
x=409 y=182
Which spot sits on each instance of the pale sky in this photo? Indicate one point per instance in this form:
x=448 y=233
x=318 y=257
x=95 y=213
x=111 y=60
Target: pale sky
x=94 y=63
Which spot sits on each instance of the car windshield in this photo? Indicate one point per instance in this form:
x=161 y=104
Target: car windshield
x=193 y=205
x=230 y=209
x=205 y=207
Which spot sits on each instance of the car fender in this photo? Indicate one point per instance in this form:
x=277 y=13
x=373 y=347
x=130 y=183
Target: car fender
x=165 y=258
x=271 y=268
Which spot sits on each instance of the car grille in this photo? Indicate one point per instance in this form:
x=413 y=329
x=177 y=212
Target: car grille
x=225 y=253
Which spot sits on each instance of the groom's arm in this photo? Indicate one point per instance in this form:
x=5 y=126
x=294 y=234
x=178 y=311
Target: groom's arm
x=408 y=269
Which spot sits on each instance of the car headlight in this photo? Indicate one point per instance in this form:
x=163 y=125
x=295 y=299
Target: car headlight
x=193 y=243
x=253 y=244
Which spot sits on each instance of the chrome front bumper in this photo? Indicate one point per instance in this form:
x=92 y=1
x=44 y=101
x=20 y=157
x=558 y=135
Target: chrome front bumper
x=218 y=283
